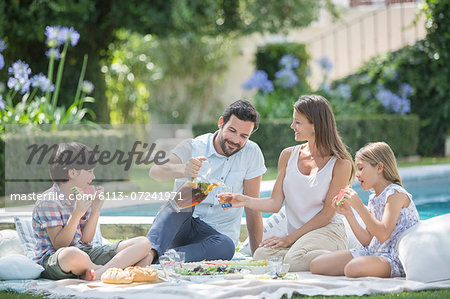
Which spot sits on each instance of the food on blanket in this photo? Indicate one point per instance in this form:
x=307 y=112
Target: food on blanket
x=208 y=270
x=237 y=264
x=117 y=276
x=141 y=274
x=248 y=263
x=341 y=196
x=90 y=191
x=193 y=193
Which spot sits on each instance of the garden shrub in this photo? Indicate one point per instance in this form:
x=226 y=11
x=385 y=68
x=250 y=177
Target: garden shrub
x=399 y=131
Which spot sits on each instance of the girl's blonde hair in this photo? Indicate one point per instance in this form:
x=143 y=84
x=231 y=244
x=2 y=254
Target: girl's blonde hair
x=380 y=152
x=318 y=111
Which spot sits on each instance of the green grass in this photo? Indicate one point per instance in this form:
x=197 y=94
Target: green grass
x=409 y=295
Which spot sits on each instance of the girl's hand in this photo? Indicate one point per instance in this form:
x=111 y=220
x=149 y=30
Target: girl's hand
x=343 y=209
x=276 y=242
x=352 y=198
x=97 y=203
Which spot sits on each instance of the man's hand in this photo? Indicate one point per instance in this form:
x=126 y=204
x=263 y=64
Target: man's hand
x=276 y=242
x=192 y=167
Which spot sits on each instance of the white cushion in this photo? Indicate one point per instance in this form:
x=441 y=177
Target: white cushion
x=18 y=266
x=424 y=250
x=275 y=225
x=25 y=231
x=351 y=238
x=9 y=243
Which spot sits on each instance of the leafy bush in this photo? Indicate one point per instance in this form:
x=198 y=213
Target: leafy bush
x=177 y=79
x=399 y=131
x=419 y=73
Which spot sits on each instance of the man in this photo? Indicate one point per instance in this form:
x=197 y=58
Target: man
x=206 y=231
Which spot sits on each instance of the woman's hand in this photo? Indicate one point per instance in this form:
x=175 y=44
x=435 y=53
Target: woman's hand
x=238 y=201
x=276 y=242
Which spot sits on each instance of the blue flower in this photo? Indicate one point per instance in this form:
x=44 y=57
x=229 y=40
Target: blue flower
x=324 y=63
x=68 y=34
x=20 y=70
x=19 y=84
x=259 y=80
x=2 y=103
x=392 y=102
x=53 y=53
x=2 y=62
x=344 y=91
x=52 y=33
x=289 y=61
x=406 y=90
x=286 y=78
x=42 y=82
x=2 y=45
x=87 y=87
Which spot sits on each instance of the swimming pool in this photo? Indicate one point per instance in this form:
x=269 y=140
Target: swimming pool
x=429 y=185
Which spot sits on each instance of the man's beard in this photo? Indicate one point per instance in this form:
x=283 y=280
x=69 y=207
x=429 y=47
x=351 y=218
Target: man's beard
x=224 y=148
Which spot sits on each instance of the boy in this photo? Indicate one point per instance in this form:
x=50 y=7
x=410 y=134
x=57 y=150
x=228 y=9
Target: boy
x=64 y=227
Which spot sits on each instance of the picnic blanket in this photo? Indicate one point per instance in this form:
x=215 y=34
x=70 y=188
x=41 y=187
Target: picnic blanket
x=307 y=284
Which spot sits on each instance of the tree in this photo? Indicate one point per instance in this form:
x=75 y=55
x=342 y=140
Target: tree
x=22 y=25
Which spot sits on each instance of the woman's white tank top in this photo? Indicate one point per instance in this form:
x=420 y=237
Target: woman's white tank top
x=305 y=194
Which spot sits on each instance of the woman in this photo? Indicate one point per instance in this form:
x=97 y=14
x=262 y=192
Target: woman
x=309 y=176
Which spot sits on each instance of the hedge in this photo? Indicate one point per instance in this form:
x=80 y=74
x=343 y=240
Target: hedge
x=401 y=132
x=35 y=178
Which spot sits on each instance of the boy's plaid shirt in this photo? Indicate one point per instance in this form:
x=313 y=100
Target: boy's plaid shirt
x=51 y=213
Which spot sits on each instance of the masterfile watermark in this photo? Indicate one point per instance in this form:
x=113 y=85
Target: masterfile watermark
x=103 y=157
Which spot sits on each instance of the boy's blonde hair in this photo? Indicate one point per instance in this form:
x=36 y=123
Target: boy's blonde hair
x=380 y=152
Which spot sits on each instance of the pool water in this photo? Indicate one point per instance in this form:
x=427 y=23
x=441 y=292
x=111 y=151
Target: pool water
x=429 y=186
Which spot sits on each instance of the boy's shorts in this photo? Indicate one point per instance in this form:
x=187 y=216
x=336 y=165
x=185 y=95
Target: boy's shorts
x=98 y=255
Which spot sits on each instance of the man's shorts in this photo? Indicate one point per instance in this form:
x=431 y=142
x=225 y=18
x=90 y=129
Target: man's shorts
x=99 y=255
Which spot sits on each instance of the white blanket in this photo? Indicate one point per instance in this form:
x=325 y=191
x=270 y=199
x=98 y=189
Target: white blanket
x=308 y=284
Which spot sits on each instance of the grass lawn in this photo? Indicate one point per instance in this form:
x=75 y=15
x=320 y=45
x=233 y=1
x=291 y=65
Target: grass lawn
x=409 y=295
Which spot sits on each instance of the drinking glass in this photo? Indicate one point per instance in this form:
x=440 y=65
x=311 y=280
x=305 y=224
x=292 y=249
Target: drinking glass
x=225 y=195
x=275 y=262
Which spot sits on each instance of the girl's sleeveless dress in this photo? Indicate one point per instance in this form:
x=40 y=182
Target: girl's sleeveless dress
x=388 y=249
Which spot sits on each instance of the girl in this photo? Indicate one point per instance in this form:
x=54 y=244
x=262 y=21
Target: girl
x=390 y=212
x=309 y=176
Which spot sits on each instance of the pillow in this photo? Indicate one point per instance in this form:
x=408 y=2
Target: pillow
x=10 y=243
x=18 y=266
x=275 y=225
x=351 y=238
x=424 y=250
x=25 y=231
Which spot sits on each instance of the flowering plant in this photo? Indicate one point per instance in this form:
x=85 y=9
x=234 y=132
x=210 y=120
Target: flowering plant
x=366 y=88
x=28 y=100
x=274 y=99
